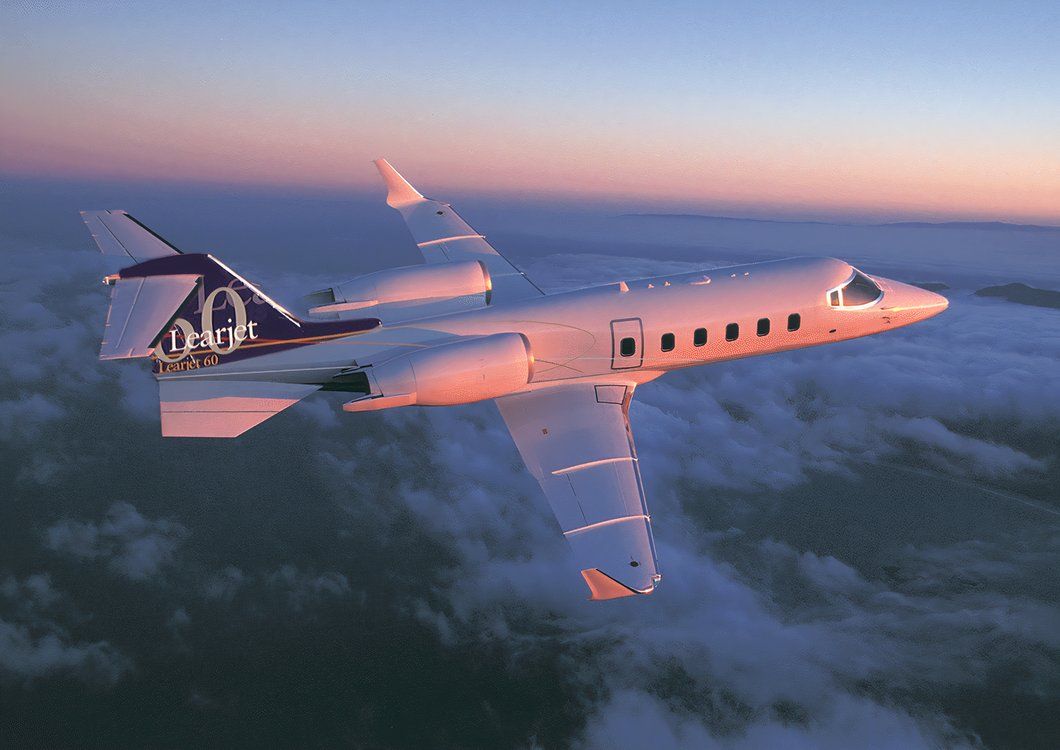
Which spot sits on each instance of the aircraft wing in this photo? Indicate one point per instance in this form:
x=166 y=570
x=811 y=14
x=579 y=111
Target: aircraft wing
x=576 y=441
x=442 y=236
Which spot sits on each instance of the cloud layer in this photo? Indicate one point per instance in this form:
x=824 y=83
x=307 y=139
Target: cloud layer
x=858 y=546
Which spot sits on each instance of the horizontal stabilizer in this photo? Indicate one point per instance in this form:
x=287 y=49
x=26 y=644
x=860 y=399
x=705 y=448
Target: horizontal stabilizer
x=223 y=408
x=118 y=233
x=139 y=310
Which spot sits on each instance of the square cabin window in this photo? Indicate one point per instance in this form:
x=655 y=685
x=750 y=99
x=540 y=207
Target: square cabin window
x=667 y=342
x=763 y=326
x=732 y=331
x=699 y=337
x=627 y=347
x=794 y=321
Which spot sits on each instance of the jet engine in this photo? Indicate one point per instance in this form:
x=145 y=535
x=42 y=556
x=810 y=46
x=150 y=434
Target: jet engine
x=407 y=284
x=460 y=372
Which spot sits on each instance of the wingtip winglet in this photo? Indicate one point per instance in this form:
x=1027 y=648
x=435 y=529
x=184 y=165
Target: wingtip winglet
x=399 y=191
x=602 y=586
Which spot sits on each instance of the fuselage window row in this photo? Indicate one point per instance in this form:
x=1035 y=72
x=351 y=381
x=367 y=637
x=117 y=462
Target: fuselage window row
x=668 y=341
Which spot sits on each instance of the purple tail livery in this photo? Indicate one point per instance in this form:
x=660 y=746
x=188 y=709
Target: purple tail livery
x=190 y=311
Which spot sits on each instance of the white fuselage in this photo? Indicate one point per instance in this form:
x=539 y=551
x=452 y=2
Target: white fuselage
x=580 y=334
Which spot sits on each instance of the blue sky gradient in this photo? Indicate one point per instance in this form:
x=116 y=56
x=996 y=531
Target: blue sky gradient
x=946 y=110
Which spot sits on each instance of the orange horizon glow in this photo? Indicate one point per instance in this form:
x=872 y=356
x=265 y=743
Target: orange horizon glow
x=952 y=190
x=593 y=167
x=760 y=134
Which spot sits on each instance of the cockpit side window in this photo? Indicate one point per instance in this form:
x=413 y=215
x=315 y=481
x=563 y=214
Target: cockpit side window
x=860 y=291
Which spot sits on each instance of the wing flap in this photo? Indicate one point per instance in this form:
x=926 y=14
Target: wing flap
x=223 y=408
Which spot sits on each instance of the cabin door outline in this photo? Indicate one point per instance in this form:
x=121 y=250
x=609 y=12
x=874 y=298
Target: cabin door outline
x=624 y=328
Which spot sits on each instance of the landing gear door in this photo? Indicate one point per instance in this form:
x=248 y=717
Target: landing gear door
x=627 y=344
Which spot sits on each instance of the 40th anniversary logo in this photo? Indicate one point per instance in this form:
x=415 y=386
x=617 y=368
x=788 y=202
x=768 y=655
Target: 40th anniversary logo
x=185 y=344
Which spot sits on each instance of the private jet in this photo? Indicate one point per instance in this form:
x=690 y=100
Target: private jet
x=468 y=326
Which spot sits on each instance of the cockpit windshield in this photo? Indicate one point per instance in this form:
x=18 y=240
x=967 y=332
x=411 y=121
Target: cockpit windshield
x=860 y=291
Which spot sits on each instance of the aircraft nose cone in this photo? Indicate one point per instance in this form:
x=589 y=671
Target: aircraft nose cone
x=917 y=303
x=929 y=303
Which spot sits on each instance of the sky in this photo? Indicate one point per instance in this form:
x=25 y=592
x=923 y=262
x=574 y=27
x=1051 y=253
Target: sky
x=908 y=110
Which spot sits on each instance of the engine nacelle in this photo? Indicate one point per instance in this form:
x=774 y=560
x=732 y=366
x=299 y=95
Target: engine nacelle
x=411 y=283
x=458 y=373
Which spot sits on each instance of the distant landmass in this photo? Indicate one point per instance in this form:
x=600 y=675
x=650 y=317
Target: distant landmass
x=1023 y=295
x=707 y=217
x=932 y=286
x=982 y=225
x=987 y=225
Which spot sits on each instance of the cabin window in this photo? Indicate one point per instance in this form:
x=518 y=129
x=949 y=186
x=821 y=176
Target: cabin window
x=794 y=321
x=667 y=342
x=732 y=331
x=627 y=347
x=763 y=326
x=833 y=298
x=699 y=338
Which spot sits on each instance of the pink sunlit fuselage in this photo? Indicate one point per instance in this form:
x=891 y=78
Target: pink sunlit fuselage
x=578 y=334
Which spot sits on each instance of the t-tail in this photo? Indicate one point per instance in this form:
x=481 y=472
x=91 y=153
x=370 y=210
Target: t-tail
x=190 y=313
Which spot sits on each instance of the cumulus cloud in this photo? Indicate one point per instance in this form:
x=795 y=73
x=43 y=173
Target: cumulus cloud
x=51 y=320
x=133 y=545
x=297 y=589
x=25 y=655
x=302 y=588
x=34 y=590
x=224 y=584
x=22 y=418
x=33 y=645
x=636 y=719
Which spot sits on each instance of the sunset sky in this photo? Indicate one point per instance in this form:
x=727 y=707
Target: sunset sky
x=927 y=110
